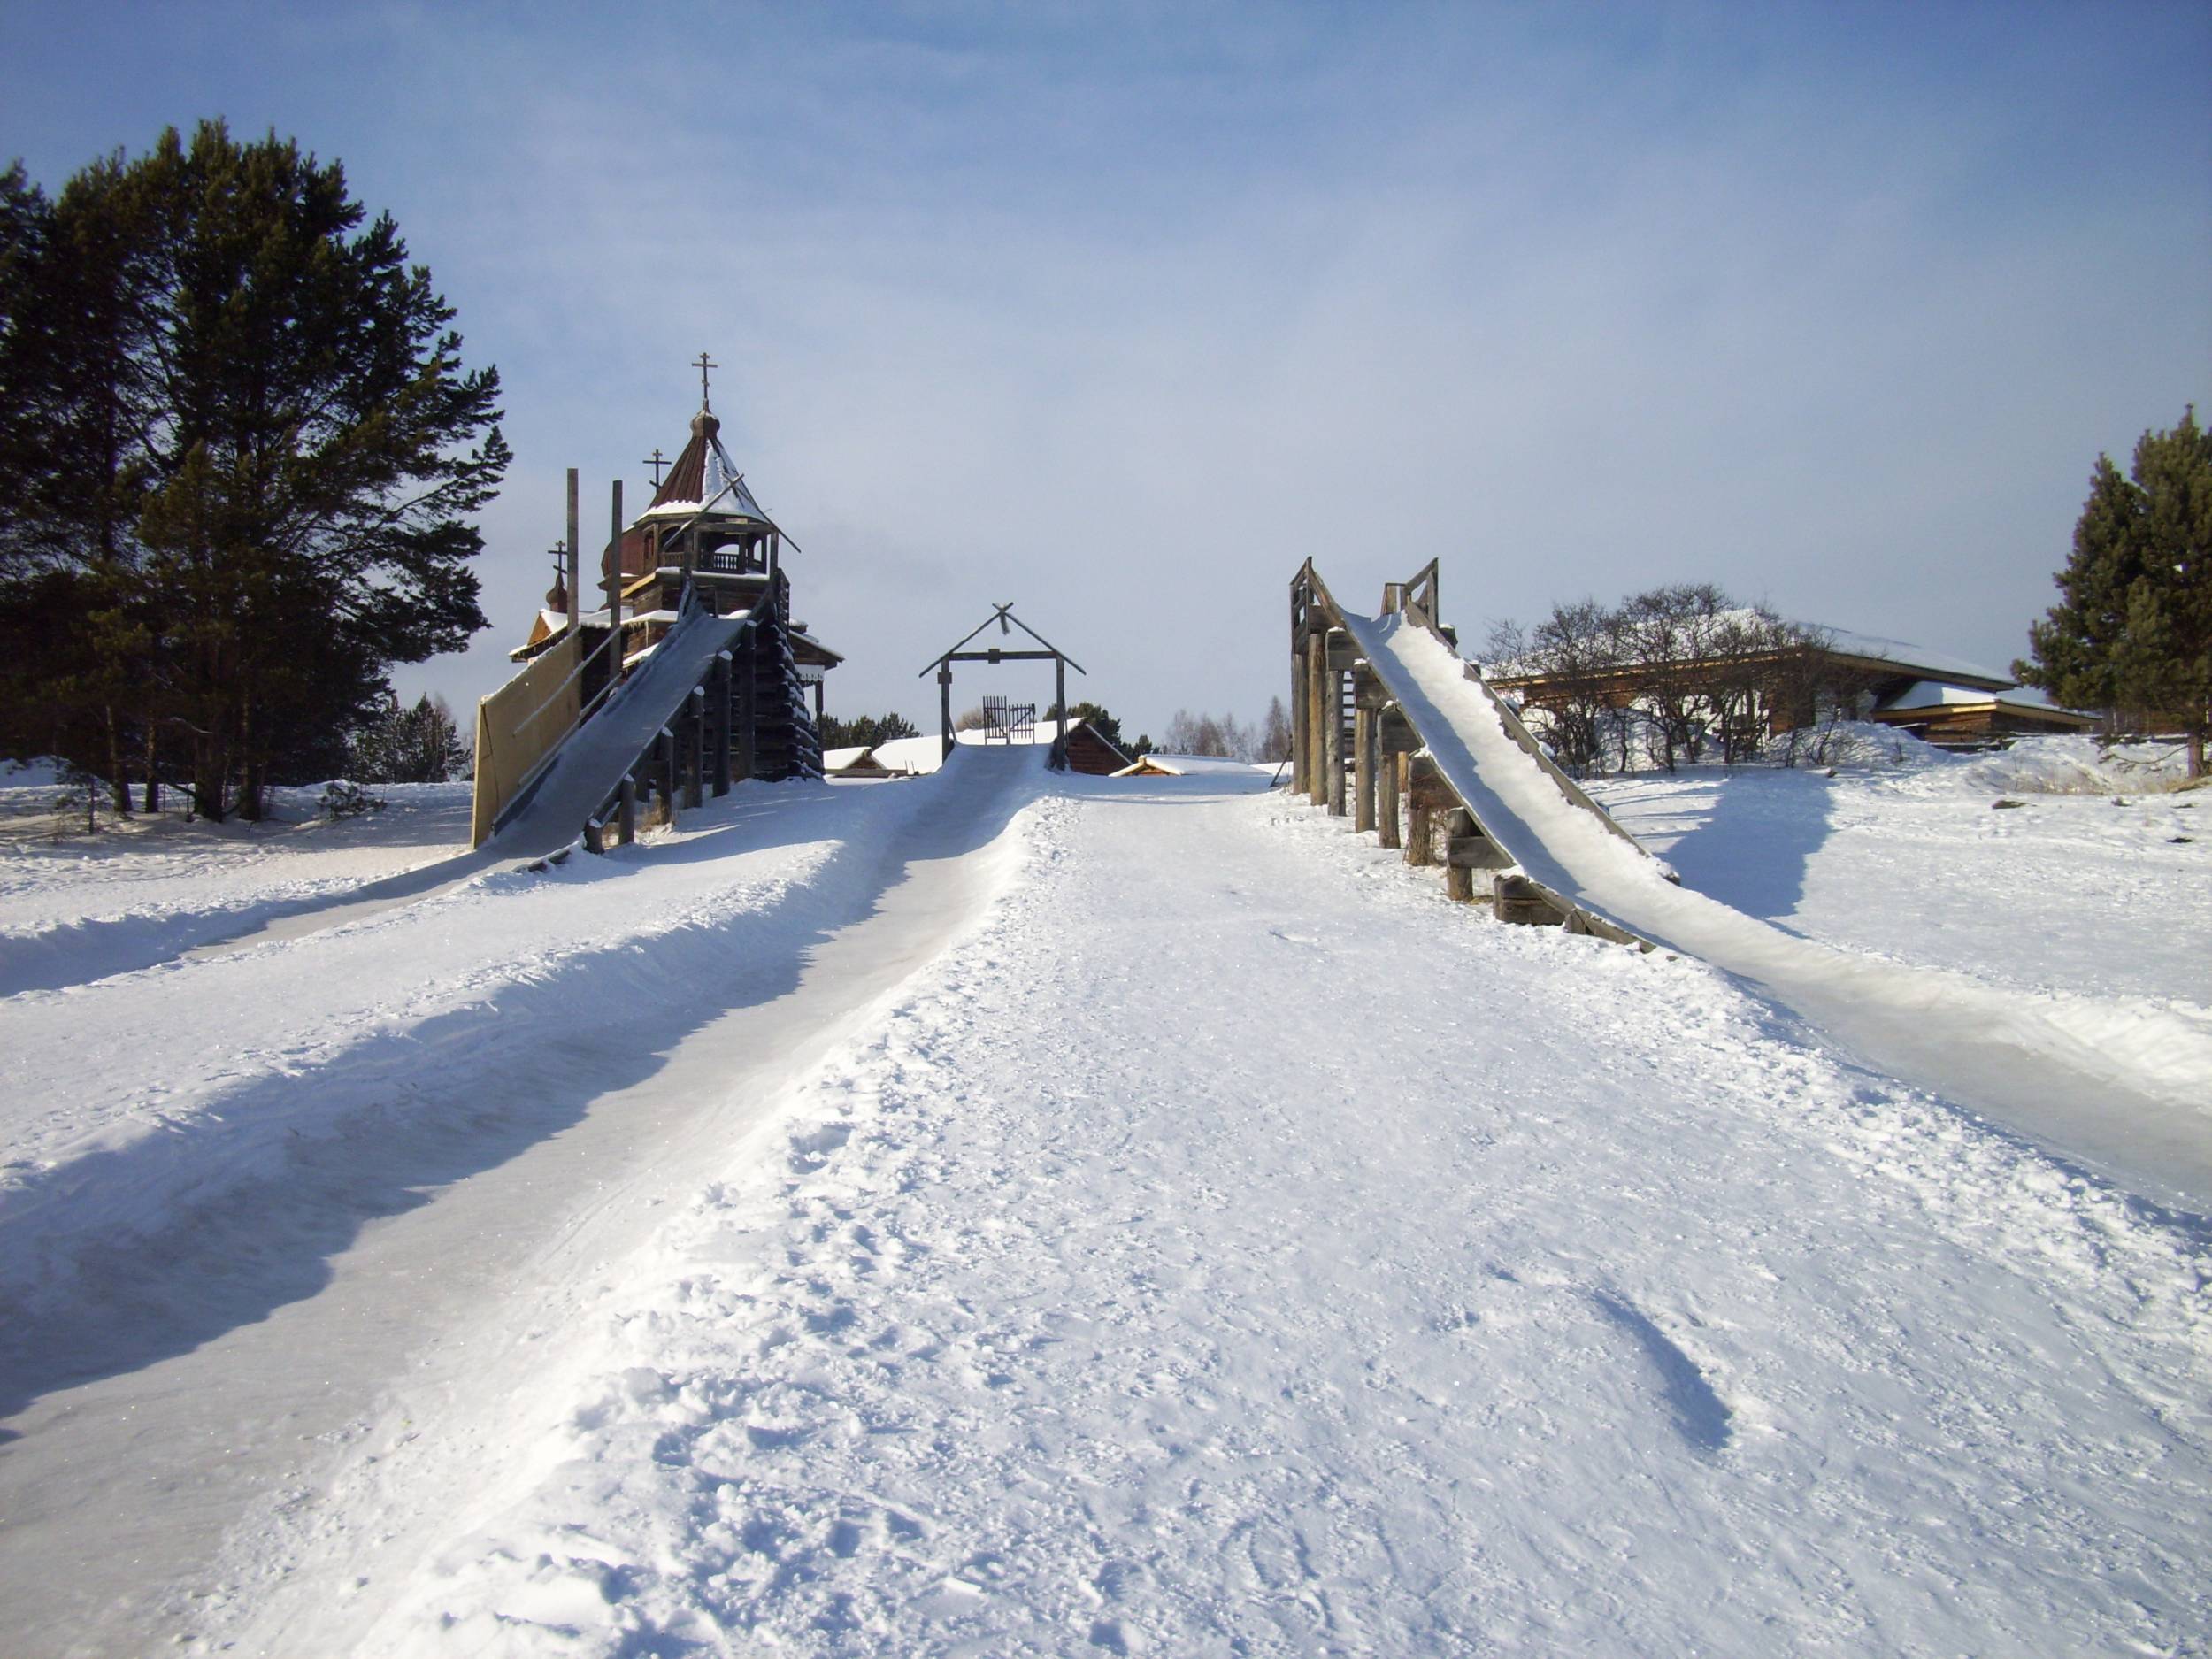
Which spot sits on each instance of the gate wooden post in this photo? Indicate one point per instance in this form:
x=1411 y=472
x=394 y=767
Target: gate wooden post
x=1298 y=757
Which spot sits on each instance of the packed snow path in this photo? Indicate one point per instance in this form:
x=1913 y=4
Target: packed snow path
x=1230 y=1246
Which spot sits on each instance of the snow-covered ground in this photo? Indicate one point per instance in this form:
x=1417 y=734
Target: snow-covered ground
x=2123 y=1084
x=998 y=1214
x=2086 y=883
x=77 y=907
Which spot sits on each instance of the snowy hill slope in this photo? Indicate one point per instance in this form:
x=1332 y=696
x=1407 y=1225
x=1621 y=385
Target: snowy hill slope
x=1298 y=1267
x=1002 y=1213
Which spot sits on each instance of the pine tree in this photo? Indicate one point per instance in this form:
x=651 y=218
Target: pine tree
x=248 y=464
x=2132 y=630
x=418 y=745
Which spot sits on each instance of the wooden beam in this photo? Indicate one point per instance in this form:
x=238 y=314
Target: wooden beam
x=1520 y=901
x=614 y=581
x=575 y=559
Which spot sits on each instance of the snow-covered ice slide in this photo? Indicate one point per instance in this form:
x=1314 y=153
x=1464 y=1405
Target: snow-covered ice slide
x=357 y=1144
x=2126 y=1086
x=588 y=767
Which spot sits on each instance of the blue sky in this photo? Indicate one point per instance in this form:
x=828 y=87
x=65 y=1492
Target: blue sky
x=1119 y=312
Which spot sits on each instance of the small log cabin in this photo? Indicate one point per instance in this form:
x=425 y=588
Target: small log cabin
x=1960 y=717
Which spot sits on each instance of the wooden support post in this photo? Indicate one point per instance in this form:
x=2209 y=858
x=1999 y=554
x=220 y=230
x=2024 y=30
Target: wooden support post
x=664 y=776
x=1298 y=758
x=1332 y=695
x=626 y=814
x=695 y=750
x=944 y=706
x=719 y=700
x=1317 y=722
x=1388 y=772
x=595 y=836
x=575 y=559
x=1425 y=796
x=1363 y=768
x=1459 y=877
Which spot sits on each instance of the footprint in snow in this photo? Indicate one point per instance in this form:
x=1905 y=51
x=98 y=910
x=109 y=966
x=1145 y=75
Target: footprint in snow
x=1701 y=1417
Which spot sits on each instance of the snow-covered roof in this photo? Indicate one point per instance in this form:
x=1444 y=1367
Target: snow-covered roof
x=837 y=759
x=1938 y=665
x=1183 y=766
x=1938 y=693
x=911 y=754
x=705 y=480
x=1942 y=665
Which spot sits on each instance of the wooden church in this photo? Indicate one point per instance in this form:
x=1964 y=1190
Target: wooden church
x=705 y=530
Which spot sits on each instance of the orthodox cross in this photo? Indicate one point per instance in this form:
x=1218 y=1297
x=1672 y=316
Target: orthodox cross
x=656 y=461
x=703 y=363
x=558 y=553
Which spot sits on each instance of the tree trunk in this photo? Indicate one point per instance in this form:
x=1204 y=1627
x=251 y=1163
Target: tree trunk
x=118 y=783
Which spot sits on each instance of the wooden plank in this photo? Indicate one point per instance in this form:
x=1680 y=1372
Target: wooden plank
x=1520 y=901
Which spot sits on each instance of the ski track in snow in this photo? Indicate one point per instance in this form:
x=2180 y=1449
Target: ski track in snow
x=1233 y=1248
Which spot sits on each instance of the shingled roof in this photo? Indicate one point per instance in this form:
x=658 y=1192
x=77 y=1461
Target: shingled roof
x=704 y=481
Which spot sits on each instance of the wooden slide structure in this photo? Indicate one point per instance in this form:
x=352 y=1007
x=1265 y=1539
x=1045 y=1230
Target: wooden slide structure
x=676 y=728
x=1368 y=739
